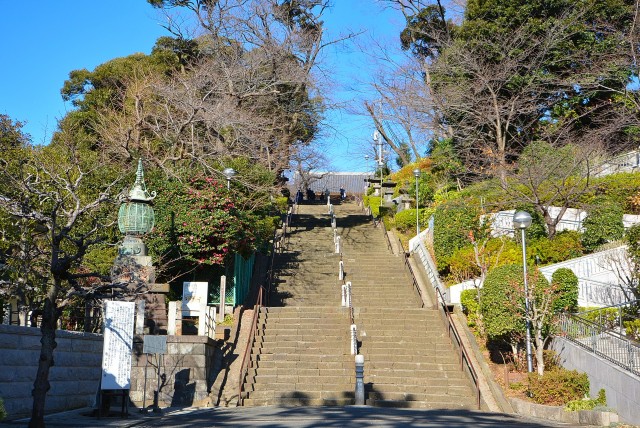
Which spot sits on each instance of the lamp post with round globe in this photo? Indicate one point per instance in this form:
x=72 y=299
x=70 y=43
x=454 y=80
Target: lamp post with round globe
x=522 y=220
x=229 y=173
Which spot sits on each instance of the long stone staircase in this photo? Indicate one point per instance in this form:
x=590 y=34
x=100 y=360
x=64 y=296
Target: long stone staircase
x=302 y=352
x=301 y=355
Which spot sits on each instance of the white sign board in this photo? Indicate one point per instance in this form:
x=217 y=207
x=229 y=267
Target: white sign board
x=194 y=295
x=118 y=344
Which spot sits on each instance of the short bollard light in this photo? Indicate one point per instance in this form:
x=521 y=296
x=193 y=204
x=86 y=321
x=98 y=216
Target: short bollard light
x=359 y=380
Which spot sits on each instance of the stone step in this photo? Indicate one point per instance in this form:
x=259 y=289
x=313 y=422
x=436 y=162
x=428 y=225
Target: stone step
x=439 y=404
x=319 y=357
x=435 y=394
x=286 y=381
x=298 y=401
x=347 y=392
x=318 y=373
x=294 y=365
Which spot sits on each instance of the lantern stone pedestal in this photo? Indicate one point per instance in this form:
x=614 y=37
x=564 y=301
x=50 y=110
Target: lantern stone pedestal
x=133 y=269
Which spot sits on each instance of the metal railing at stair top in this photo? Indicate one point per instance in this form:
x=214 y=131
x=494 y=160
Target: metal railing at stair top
x=454 y=335
x=608 y=319
x=608 y=344
x=246 y=357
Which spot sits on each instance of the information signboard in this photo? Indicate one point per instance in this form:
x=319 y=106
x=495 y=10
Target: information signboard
x=118 y=344
x=194 y=295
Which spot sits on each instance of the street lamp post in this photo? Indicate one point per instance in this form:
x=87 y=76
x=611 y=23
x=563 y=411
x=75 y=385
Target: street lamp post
x=522 y=220
x=229 y=173
x=416 y=174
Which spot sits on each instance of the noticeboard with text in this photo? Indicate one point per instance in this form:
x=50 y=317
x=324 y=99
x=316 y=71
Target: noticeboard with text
x=118 y=344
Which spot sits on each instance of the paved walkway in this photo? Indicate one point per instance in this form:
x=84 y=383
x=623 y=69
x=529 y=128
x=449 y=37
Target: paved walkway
x=298 y=417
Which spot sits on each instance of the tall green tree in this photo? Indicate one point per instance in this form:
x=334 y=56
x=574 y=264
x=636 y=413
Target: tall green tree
x=512 y=72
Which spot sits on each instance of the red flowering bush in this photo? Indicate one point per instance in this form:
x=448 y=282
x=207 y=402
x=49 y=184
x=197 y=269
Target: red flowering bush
x=199 y=223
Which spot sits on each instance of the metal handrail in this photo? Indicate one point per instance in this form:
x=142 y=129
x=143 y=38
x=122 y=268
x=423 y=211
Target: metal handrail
x=386 y=235
x=607 y=344
x=416 y=286
x=244 y=367
x=464 y=355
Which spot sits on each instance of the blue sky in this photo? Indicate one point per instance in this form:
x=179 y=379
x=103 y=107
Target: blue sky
x=43 y=41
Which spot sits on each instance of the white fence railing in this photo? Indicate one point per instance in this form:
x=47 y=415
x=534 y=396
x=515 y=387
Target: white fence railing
x=501 y=223
x=591 y=292
x=430 y=267
x=627 y=162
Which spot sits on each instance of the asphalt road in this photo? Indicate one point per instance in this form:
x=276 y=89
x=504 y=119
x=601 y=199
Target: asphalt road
x=343 y=417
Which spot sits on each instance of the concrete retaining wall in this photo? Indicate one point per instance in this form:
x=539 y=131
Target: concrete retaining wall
x=622 y=388
x=74 y=377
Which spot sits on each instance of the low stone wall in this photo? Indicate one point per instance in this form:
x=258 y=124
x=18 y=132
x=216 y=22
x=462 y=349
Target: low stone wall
x=186 y=372
x=74 y=377
x=558 y=414
x=621 y=387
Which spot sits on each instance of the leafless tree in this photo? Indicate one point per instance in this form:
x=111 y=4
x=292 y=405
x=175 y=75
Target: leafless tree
x=55 y=191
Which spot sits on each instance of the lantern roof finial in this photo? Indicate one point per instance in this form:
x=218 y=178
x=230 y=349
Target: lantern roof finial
x=139 y=190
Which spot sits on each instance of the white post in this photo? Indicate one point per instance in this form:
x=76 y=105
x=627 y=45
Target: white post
x=335 y=235
x=171 y=318
x=341 y=270
x=344 y=295
x=140 y=317
x=348 y=294
x=202 y=319
x=354 y=340
x=223 y=297
x=211 y=322
x=338 y=246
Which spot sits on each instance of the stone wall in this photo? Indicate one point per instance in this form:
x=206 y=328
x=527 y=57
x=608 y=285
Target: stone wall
x=74 y=377
x=621 y=387
x=186 y=372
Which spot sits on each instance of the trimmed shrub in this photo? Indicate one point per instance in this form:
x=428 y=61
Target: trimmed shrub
x=615 y=188
x=452 y=224
x=497 y=252
x=588 y=403
x=607 y=317
x=564 y=246
x=558 y=386
x=501 y=305
x=603 y=224
x=565 y=284
x=502 y=301
x=632 y=329
x=406 y=220
x=470 y=305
